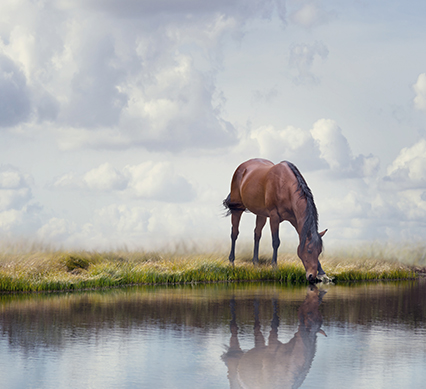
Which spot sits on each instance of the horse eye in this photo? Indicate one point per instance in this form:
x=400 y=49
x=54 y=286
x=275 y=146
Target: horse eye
x=309 y=251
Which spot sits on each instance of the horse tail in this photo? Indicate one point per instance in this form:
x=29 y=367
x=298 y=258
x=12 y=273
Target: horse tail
x=232 y=206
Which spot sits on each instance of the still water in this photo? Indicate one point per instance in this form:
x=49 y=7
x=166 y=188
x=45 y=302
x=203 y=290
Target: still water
x=217 y=336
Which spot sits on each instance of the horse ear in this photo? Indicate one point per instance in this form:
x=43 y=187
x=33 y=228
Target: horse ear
x=321 y=234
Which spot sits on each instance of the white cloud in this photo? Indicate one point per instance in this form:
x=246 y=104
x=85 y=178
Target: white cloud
x=144 y=77
x=190 y=8
x=68 y=181
x=175 y=110
x=420 y=89
x=122 y=219
x=149 y=180
x=15 y=189
x=14 y=94
x=10 y=219
x=310 y=15
x=302 y=57
x=12 y=178
x=56 y=230
x=18 y=213
x=158 y=181
x=21 y=222
x=138 y=80
x=408 y=170
x=291 y=143
x=147 y=227
x=14 y=199
x=324 y=147
x=332 y=143
x=105 y=178
x=352 y=205
x=335 y=150
x=411 y=206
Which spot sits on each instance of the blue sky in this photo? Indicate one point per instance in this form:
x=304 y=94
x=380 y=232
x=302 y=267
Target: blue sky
x=121 y=123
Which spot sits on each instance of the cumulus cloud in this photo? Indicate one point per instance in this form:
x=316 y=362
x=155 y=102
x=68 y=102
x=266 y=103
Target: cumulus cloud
x=95 y=97
x=15 y=189
x=158 y=181
x=332 y=143
x=147 y=227
x=149 y=180
x=310 y=15
x=14 y=94
x=411 y=205
x=56 y=230
x=150 y=227
x=408 y=170
x=353 y=205
x=144 y=77
x=323 y=147
x=175 y=111
x=265 y=95
x=291 y=143
x=18 y=213
x=105 y=178
x=420 y=90
x=151 y=8
x=302 y=57
x=335 y=150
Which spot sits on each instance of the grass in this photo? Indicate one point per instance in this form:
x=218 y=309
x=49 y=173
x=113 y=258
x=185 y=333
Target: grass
x=39 y=268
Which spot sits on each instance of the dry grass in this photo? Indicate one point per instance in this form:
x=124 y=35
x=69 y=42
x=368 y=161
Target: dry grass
x=40 y=268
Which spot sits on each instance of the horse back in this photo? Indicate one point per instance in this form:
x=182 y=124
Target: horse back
x=261 y=187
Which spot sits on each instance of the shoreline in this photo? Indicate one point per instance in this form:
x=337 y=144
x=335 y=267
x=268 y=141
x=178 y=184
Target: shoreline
x=59 y=271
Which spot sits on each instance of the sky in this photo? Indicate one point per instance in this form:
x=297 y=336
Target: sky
x=122 y=122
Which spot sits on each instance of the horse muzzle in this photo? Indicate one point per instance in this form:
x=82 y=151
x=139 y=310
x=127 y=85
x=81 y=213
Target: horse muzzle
x=311 y=278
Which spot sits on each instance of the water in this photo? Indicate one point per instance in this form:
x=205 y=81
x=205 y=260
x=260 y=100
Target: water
x=217 y=336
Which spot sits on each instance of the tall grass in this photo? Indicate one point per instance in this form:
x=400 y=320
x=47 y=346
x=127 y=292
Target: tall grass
x=41 y=268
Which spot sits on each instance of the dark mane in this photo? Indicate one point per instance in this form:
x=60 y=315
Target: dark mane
x=310 y=225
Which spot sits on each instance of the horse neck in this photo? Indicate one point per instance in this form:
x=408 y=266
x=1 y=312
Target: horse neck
x=299 y=205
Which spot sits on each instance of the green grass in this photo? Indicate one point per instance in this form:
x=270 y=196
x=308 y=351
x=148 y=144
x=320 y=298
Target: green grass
x=38 y=268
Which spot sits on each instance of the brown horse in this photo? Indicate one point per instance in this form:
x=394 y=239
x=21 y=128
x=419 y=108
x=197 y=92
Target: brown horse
x=279 y=192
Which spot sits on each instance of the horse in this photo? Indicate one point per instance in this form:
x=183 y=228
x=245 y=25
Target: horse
x=281 y=193
x=277 y=364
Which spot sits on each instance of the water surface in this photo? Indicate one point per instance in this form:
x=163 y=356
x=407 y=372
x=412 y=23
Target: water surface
x=217 y=336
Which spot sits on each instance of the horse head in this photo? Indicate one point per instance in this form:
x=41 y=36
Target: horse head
x=309 y=251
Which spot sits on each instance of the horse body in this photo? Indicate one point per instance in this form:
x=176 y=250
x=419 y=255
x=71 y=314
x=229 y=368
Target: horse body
x=266 y=190
x=278 y=192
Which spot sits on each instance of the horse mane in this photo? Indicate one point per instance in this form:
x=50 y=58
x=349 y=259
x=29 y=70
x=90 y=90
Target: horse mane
x=310 y=225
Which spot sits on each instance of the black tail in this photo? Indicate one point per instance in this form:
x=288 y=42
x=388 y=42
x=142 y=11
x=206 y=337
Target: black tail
x=232 y=207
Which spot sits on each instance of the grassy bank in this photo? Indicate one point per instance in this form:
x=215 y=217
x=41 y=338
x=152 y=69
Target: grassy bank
x=41 y=269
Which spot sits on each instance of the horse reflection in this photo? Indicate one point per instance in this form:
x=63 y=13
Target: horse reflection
x=276 y=365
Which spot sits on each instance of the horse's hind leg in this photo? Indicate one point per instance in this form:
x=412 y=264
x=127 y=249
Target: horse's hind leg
x=260 y=223
x=235 y=220
x=274 y=221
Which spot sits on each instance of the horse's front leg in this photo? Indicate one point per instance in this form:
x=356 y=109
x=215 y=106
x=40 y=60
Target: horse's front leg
x=320 y=272
x=275 y=227
x=260 y=223
x=235 y=220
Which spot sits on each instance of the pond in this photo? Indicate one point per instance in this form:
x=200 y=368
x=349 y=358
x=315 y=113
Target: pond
x=217 y=336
